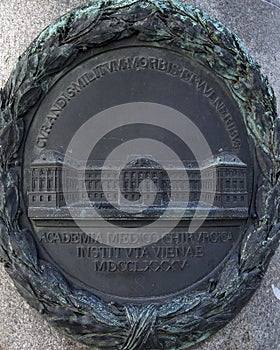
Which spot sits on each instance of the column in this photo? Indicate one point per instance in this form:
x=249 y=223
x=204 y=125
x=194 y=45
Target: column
x=54 y=182
x=46 y=179
x=38 y=179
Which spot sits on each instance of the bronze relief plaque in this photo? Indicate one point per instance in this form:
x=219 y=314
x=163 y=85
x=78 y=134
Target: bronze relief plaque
x=175 y=86
x=139 y=162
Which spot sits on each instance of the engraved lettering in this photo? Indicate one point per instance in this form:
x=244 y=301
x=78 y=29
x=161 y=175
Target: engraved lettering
x=137 y=266
x=199 y=83
x=187 y=75
x=138 y=62
x=153 y=63
x=61 y=102
x=208 y=91
x=41 y=142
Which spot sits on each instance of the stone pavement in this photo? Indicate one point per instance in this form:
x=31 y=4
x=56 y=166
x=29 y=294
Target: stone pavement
x=257 y=22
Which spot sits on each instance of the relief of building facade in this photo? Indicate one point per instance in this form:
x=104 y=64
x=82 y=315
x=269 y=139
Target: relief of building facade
x=51 y=185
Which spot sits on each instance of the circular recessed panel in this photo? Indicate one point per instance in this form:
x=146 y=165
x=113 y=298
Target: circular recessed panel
x=140 y=94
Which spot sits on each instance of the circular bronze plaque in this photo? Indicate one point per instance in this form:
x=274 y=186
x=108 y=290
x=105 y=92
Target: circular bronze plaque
x=139 y=162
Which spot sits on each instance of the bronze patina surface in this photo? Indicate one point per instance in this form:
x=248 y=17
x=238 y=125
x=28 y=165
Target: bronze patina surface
x=154 y=301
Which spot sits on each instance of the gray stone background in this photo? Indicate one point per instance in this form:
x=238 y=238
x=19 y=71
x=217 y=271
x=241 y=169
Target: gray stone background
x=257 y=22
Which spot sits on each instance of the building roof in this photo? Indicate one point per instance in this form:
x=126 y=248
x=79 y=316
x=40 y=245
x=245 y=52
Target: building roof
x=228 y=159
x=223 y=158
x=49 y=156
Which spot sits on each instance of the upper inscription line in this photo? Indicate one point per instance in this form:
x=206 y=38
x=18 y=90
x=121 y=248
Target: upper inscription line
x=139 y=63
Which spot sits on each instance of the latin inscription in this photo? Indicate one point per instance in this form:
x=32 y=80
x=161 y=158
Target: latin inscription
x=126 y=238
x=139 y=63
x=140 y=266
x=172 y=252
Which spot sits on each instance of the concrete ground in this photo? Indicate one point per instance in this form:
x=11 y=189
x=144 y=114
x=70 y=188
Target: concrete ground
x=257 y=22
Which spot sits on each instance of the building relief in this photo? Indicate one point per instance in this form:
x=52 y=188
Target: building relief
x=55 y=180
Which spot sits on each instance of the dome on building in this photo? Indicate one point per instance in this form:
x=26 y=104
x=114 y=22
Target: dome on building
x=50 y=156
x=143 y=163
x=54 y=157
x=228 y=159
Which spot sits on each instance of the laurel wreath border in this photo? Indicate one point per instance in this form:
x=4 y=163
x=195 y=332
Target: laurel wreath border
x=185 y=320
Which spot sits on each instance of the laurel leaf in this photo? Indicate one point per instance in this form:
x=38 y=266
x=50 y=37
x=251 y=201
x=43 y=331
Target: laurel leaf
x=100 y=36
x=256 y=259
x=24 y=247
x=12 y=199
x=59 y=57
x=33 y=61
x=5 y=116
x=10 y=139
x=21 y=72
x=7 y=138
x=87 y=302
x=12 y=203
x=153 y=30
x=229 y=273
x=1 y=100
x=6 y=94
x=22 y=276
x=134 y=13
x=251 y=244
x=263 y=188
x=4 y=242
x=272 y=203
x=2 y=193
x=28 y=95
x=26 y=291
x=170 y=309
x=80 y=27
x=276 y=143
x=4 y=257
x=52 y=285
x=142 y=320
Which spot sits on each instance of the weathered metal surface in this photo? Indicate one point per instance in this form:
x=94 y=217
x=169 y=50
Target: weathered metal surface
x=183 y=320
